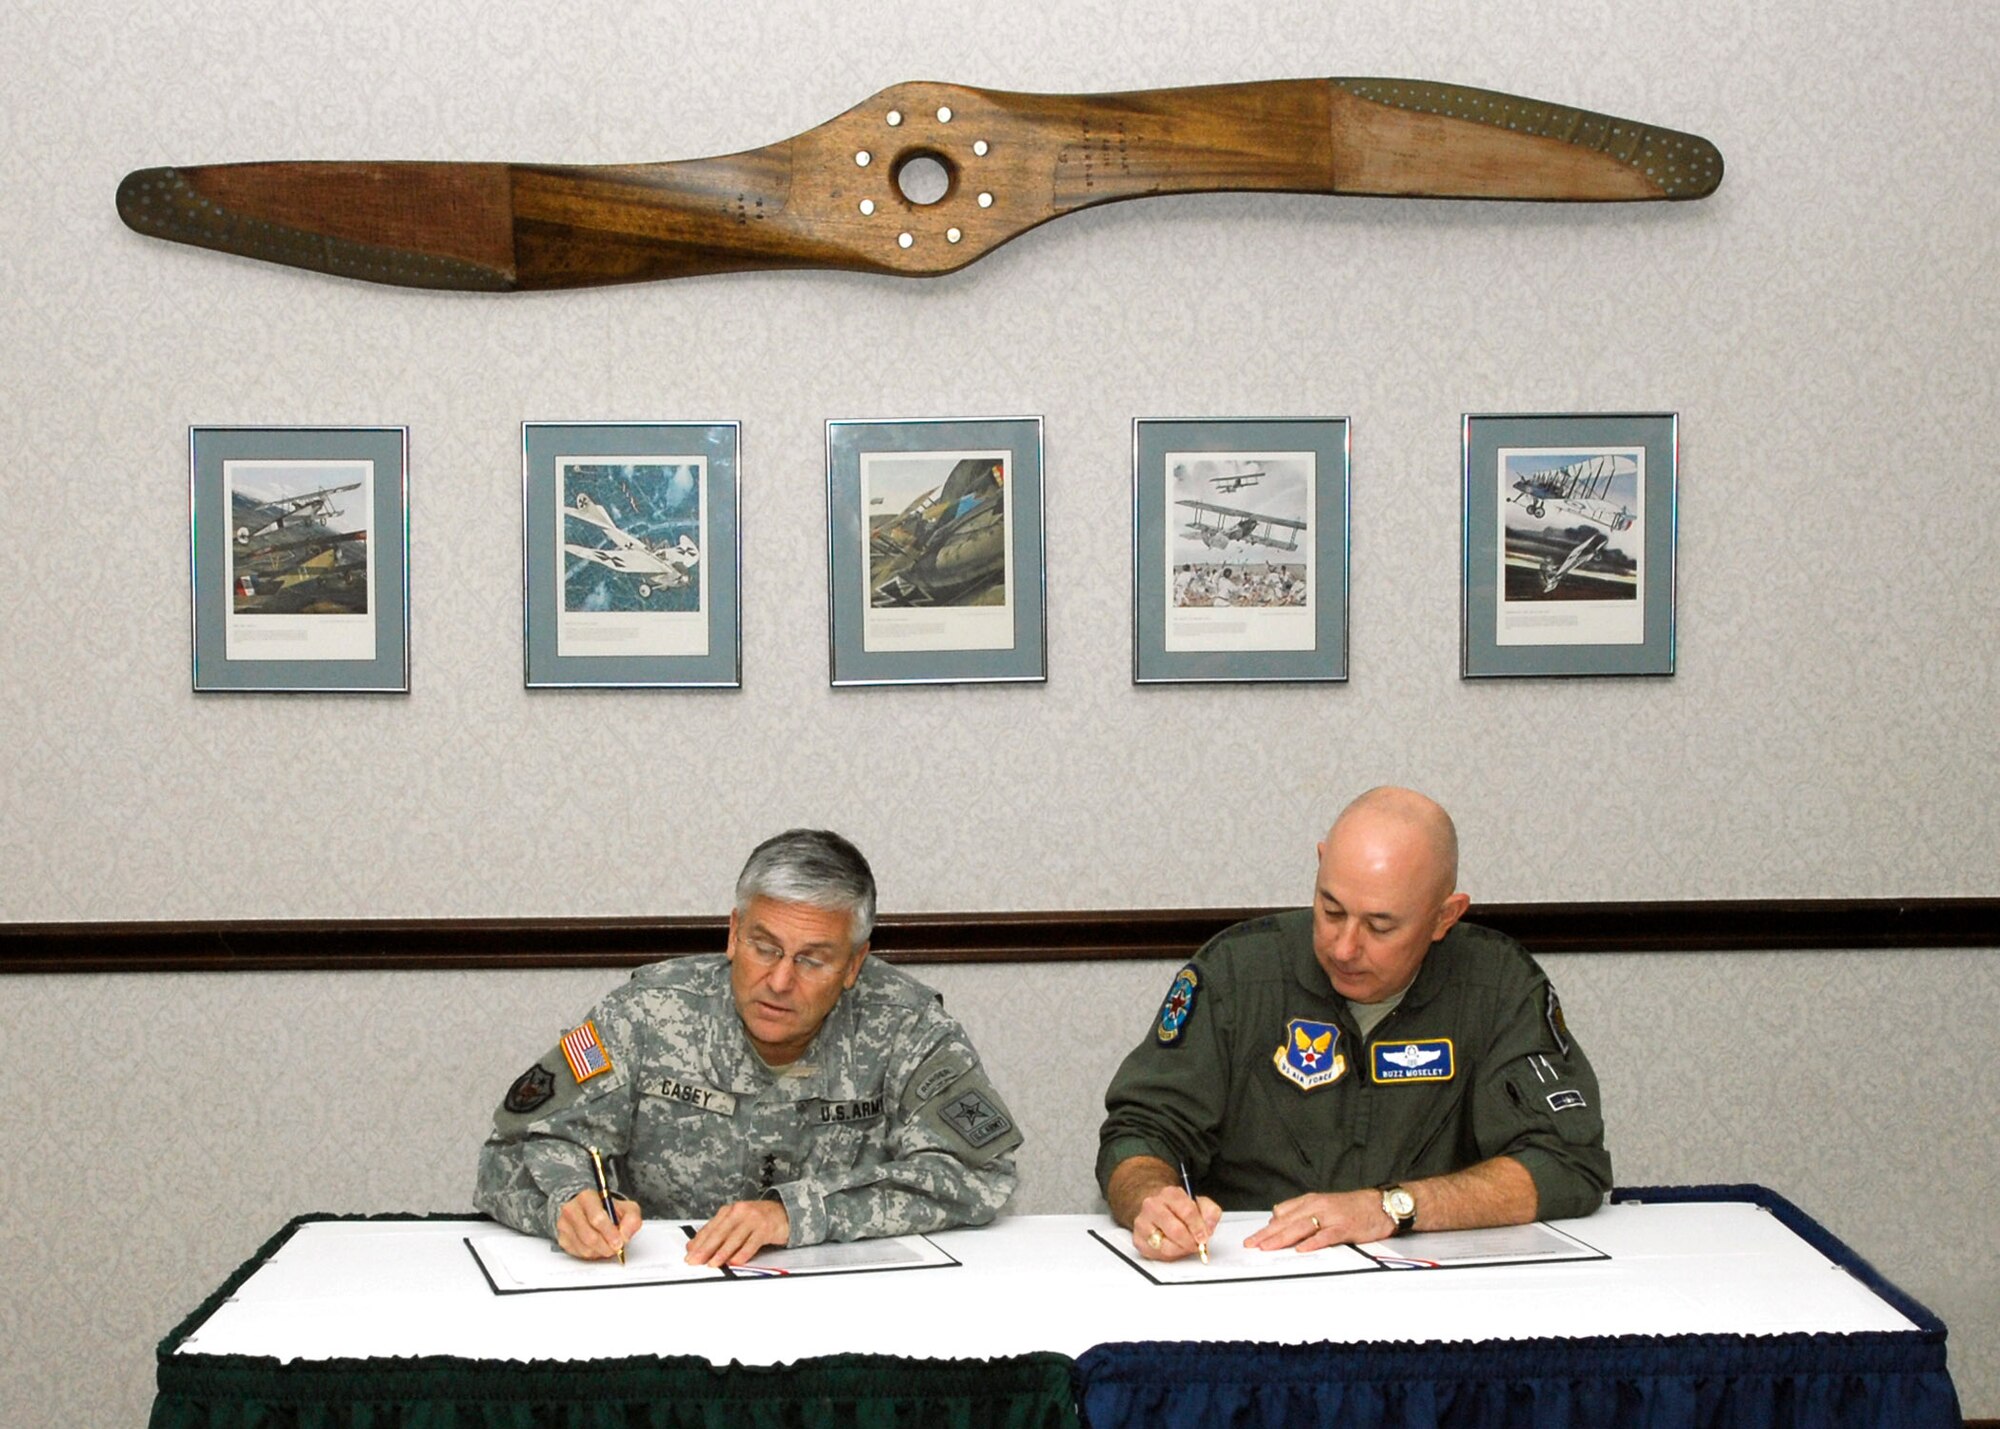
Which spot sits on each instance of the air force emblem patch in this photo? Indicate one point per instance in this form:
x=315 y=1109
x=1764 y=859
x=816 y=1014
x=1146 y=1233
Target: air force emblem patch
x=1307 y=1058
x=1428 y=1059
x=1178 y=1005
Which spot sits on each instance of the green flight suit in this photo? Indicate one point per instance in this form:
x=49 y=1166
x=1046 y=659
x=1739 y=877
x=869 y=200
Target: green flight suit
x=1475 y=1062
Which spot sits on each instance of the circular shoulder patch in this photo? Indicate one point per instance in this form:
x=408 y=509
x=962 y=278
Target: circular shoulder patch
x=1178 y=1005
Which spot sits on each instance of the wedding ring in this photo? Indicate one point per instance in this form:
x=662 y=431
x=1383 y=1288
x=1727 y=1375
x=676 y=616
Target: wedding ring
x=1155 y=1240
x=1315 y=1221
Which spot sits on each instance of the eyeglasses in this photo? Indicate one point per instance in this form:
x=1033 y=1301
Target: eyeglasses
x=808 y=967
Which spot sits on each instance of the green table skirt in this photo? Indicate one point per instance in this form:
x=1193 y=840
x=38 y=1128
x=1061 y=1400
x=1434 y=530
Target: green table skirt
x=198 y=1391
x=648 y=1392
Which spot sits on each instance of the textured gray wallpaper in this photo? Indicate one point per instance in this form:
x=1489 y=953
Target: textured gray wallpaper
x=1825 y=326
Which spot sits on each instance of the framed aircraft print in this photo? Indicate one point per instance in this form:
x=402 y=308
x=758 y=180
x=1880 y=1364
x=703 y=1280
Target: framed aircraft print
x=1239 y=548
x=1570 y=525
x=630 y=554
x=299 y=557
x=934 y=551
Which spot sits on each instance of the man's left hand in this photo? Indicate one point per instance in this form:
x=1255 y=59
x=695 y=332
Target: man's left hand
x=1323 y=1219
x=738 y=1231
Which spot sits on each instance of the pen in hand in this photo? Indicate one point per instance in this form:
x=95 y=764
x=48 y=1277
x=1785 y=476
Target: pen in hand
x=1187 y=1184
x=604 y=1192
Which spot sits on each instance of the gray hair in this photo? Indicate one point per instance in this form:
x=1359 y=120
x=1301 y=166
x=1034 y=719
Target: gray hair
x=816 y=867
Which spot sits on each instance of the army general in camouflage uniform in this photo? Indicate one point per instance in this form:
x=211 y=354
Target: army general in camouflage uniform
x=789 y=1092
x=1369 y=1066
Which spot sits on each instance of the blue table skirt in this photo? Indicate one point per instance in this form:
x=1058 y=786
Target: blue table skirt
x=1895 y=1380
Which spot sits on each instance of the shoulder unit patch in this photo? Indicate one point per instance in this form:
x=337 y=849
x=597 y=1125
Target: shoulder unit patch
x=531 y=1089
x=1306 y=1057
x=1178 y=1006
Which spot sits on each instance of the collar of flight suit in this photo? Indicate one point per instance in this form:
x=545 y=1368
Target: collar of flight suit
x=1312 y=978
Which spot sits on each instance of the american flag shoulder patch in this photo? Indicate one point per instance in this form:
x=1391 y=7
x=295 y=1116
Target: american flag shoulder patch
x=585 y=1053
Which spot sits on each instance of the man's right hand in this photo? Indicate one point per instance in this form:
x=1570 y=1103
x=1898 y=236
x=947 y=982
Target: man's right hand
x=1170 y=1225
x=1145 y=1193
x=586 y=1232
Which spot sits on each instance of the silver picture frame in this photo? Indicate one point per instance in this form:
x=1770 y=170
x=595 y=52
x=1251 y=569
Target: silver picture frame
x=935 y=564
x=1571 y=523
x=1240 y=549
x=298 y=559
x=631 y=555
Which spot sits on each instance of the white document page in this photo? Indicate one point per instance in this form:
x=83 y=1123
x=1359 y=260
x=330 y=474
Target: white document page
x=1229 y=1260
x=1530 y=1244
x=515 y=1264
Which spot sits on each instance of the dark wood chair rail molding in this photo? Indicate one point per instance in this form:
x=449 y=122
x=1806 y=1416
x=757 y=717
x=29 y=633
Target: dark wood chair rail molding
x=1746 y=925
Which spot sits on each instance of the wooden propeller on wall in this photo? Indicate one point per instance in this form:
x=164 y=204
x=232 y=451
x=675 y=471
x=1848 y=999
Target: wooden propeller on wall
x=920 y=180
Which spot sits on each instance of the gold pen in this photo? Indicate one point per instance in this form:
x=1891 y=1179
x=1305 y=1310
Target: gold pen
x=604 y=1191
x=1187 y=1184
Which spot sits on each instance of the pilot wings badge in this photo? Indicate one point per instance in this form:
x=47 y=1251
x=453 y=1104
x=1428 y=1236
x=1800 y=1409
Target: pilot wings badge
x=1428 y=1059
x=1306 y=1058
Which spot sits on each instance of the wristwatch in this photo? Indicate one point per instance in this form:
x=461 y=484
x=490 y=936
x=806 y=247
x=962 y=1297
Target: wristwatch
x=1399 y=1206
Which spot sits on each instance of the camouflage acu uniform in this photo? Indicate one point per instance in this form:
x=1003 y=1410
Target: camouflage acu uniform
x=887 y=1125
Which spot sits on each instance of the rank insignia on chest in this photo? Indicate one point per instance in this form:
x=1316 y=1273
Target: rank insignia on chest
x=1428 y=1059
x=1307 y=1058
x=1179 y=1004
x=585 y=1053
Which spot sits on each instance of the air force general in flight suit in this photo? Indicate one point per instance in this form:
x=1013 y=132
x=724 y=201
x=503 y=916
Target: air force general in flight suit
x=1256 y=1075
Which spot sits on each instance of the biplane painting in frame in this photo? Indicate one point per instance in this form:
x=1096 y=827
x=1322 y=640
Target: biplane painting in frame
x=1569 y=533
x=298 y=557
x=1239 y=548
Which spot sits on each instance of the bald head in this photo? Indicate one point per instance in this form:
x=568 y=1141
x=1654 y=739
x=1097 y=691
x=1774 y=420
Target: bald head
x=1408 y=826
x=1388 y=871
